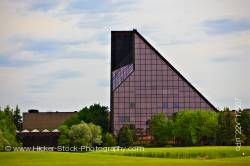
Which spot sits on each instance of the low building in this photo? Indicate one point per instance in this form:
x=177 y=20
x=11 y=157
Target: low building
x=44 y=120
x=41 y=128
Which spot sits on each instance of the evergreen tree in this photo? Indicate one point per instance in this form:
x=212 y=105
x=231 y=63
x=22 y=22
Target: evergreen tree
x=17 y=118
x=8 y=112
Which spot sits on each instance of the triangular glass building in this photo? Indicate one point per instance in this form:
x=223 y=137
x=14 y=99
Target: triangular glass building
x=144 y=83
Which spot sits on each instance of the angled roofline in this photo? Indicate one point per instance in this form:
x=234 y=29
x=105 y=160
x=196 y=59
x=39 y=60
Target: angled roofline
x=174 y=69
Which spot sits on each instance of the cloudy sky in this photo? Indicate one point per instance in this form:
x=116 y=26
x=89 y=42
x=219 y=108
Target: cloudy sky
x=55 y=55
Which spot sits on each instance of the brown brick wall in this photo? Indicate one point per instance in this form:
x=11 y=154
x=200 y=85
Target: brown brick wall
x=44 y=120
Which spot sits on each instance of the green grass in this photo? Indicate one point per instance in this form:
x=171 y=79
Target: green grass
x=205 y=152
x=102 y=158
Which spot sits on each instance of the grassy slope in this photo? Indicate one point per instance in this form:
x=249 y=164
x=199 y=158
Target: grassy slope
x=86 y=159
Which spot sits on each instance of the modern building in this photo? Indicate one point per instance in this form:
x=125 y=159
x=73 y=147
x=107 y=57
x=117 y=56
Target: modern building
x=144 y=83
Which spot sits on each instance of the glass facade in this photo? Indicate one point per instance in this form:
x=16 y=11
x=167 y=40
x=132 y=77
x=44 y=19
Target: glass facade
x=119 y=75
x=147 y=86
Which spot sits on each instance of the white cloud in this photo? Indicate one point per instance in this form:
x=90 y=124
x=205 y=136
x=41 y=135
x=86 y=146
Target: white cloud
x=213 y=63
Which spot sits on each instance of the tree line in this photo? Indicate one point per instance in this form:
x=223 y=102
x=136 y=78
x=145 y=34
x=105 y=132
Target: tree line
x=184 y=128
x=90 y=127
x=189 y=128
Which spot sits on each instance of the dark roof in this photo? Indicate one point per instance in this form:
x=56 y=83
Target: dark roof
x=44 y=120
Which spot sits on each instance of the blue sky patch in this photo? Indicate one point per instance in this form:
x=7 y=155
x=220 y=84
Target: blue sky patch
x=103 y=83
x=65 y=74
x=43 y=5
x=226 y=26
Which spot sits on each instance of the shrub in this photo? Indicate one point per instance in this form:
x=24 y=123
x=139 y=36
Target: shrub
x=109 y=140
x=125 y=136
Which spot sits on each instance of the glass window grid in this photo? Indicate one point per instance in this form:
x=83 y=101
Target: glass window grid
x=150 y=79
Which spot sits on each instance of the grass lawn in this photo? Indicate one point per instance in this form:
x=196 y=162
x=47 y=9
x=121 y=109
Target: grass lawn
x=102 y=158
x=203 y=152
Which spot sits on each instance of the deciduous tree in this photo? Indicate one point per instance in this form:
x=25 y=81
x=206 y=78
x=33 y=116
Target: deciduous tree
x=161 y=128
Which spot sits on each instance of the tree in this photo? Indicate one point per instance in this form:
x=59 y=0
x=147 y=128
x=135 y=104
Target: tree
x=80 y=135
x=17 y=118
x=3 y=141
x=125 y=136
x=74 y=119
x=96 y=114
x=225 y=133
x=8 y=112
x=161 y=128
x=193 y=127
x=64 y=137
x=109 y=140
x=207 y=123
x=7 y=129
x=96 y=134
x=244 y=121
